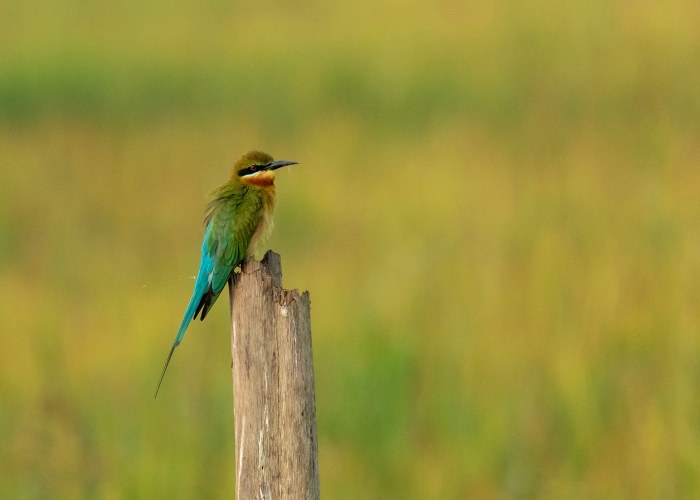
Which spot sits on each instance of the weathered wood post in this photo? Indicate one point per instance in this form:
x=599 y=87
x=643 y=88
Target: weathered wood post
x=273 y=386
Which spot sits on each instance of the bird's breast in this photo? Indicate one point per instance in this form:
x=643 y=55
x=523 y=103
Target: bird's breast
x=265 y=224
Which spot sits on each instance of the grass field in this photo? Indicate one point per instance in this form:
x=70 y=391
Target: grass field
x=497 y=214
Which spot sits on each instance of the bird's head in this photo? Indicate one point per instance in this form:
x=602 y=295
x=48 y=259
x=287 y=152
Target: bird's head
x=256 y=168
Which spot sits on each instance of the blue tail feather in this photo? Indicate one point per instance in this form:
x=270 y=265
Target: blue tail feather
x=202 y=287
x=186 y=319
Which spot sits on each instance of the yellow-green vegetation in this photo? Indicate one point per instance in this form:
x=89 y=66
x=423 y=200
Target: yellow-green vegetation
x=497 y=215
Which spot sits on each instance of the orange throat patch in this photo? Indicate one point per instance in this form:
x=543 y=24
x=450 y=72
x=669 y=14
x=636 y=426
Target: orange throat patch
x=261 y=179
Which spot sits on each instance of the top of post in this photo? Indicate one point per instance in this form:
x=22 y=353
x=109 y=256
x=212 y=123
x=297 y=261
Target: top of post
x=270 y=265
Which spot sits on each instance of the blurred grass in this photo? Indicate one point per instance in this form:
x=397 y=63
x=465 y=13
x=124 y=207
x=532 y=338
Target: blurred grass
x=496 y=215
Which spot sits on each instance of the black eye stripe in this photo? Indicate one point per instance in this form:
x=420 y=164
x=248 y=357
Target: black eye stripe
x=250 y=170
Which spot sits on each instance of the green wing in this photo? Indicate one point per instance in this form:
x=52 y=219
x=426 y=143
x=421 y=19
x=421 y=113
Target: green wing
x=231 y=221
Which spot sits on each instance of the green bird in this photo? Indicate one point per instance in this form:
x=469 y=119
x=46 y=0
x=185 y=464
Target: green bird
x=237 y=221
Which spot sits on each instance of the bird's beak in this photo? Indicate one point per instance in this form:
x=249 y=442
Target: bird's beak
x=274 y=165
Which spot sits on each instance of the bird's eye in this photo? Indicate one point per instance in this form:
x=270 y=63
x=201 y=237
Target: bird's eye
x=253 y=168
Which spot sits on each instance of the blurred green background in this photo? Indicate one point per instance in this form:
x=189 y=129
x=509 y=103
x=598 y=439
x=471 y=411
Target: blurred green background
x=497 y=214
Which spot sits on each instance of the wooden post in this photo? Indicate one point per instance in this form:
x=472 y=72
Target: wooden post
x=273 y=386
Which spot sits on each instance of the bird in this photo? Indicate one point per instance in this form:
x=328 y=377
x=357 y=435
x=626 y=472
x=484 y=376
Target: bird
x=237 y=221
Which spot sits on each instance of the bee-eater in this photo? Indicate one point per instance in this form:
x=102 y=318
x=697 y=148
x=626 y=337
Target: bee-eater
x=237 y=221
